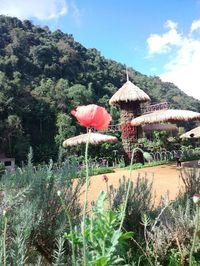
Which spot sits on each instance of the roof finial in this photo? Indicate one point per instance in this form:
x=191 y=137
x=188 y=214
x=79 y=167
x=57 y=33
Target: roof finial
x=127 y=73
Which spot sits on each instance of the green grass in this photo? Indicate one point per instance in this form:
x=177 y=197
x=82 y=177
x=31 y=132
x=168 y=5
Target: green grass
x=96 y=171
x=150 y=164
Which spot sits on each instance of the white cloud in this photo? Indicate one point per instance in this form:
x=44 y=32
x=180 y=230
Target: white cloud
x=76 y=13
x=171 y=24
x=162 y=44
x=195 y=25
x=183 y=59
x=40 y=9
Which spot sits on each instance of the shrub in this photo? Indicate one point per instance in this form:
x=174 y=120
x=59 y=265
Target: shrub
x=169 y=235
x=2 y=168
x=34 y=213
x=191 y=180
x=140 y=201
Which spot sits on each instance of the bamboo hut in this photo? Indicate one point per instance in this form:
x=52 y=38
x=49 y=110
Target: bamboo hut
x=128 y=98
x=92 y=138
x=160 y=116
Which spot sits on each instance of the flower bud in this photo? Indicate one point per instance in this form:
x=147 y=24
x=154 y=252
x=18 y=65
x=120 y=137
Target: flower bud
x=59 y=193
x=105 y=178
x=196 y=198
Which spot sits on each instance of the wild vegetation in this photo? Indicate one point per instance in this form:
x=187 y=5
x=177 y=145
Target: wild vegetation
x=35 y=228
x=44 y=75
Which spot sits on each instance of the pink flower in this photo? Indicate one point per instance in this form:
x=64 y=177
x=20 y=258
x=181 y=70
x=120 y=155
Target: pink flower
x=105 y=178
x=196 y=198
x=92 y=115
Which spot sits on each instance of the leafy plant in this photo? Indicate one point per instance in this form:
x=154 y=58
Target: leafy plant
x=106 y=244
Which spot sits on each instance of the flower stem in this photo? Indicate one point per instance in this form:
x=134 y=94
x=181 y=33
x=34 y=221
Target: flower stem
x=197 y=220
x=128 y=191
x=109 y=197
x=71 y=231
x=86 y=197
x=4 y=240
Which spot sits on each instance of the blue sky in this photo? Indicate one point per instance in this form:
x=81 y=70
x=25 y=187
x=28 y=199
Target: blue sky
x=155 y=37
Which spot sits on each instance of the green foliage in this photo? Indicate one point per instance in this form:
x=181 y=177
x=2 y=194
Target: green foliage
x=106 y=244
x=65 y=129
x=174 y=258
x=102 y=170
x=34 y=212
x=95 y=171
x=191 y=181
x=59 y=252
x=140 y=165
x=139 y=202
x=2 y=166
x=33 y=219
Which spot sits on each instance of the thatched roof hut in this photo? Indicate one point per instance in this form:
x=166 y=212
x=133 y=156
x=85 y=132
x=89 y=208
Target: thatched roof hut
x=159 y=127
x=129 y=93
x=94 y=138
x=128 y=98
x=192 y=134
x=160 y=116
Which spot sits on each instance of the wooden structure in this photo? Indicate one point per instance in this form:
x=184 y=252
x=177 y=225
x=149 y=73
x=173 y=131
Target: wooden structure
x=192 y=134
x=92 y=138
x=128 y=98
x=8 y=162
x=164 y=116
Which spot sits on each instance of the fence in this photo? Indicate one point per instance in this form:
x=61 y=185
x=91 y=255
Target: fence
x=170 y=155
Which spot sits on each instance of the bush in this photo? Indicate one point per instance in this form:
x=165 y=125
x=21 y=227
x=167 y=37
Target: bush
x=34 y=212
x=2 y=168
x=168 y=237
x=191 y=180
x=140 y=201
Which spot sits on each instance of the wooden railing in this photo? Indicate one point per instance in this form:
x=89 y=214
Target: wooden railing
x=145 y=110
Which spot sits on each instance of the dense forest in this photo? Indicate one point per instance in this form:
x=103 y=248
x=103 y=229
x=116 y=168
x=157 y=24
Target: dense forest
x=44 y=75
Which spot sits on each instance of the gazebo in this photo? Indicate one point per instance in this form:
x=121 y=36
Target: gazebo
x=169 y=115
x=192 y=134
x=92 y=138
x=128 y=98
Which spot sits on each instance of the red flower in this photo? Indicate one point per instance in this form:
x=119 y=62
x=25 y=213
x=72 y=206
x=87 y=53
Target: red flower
x=92 y=115
x=105 y=178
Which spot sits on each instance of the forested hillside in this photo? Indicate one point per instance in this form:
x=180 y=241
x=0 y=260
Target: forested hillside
x=44 y=74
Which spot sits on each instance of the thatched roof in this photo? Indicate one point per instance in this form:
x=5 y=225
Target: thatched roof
x=159 y=127
x=94 y=138
x=172 y=116
x=129 y=93
x=193 y=133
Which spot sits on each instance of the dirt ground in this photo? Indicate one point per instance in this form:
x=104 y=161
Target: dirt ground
x=166 y=180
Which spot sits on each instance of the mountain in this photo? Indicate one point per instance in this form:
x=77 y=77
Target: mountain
x=44 y=75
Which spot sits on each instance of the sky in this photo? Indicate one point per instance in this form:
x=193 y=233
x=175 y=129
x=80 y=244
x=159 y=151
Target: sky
x=155 y=37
